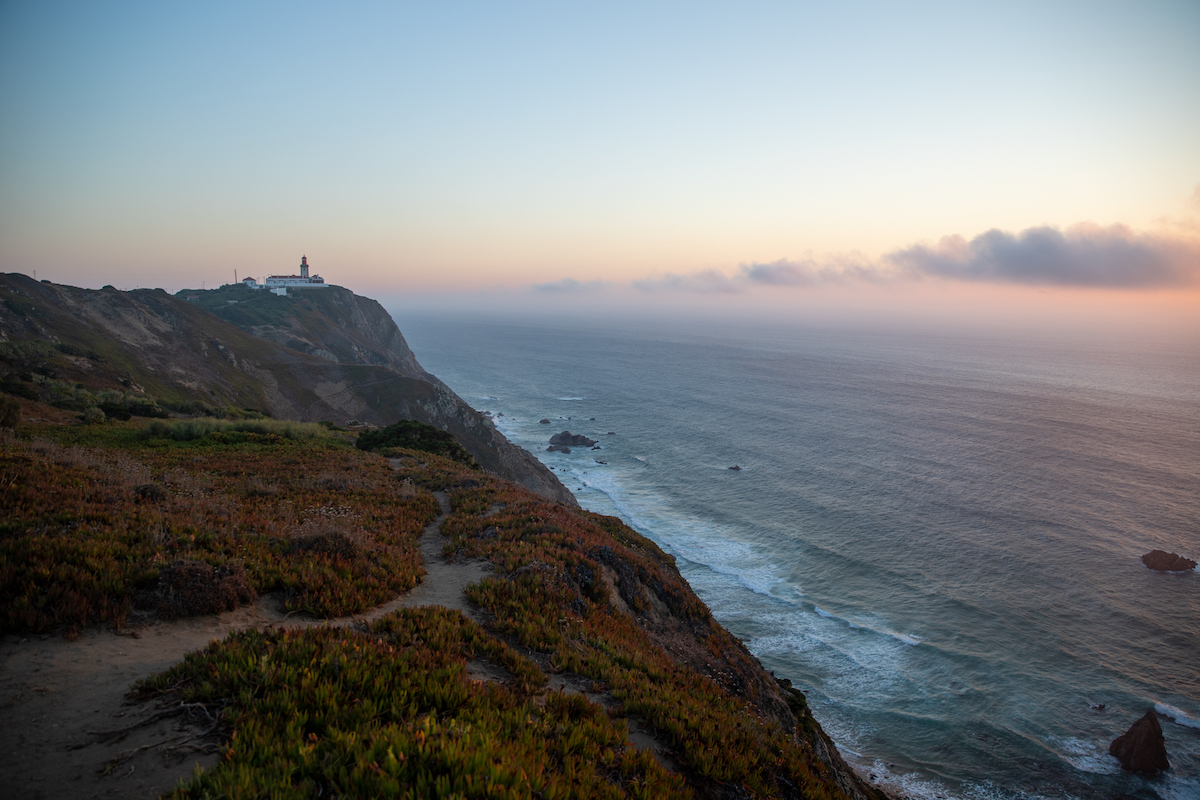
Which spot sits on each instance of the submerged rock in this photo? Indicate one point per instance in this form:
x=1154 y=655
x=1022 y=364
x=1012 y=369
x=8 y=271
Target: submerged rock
x=736 y=468
x=558 y=448
x=543 y=422
x=1142 y=748
x=1163 y=561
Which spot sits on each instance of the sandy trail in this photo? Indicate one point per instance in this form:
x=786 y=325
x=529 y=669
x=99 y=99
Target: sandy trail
x=57 y=698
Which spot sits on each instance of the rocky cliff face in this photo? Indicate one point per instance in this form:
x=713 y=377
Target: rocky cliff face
x=319 y=355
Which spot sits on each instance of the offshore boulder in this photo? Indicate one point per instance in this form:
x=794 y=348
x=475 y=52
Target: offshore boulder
x=568 y=439
x=1162 y=561
x=1142 y=747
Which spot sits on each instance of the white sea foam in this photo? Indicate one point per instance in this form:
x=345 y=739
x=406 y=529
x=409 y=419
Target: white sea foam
x=1177 y=788
x=1177 y=716
x=1085 y=755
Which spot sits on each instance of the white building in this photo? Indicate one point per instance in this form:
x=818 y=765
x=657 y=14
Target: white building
x=279 y=284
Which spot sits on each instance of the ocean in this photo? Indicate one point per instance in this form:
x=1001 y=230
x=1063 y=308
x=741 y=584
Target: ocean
x=937 y=538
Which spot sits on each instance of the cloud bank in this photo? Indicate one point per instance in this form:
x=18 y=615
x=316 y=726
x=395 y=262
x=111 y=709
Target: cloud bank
x=1084 y=256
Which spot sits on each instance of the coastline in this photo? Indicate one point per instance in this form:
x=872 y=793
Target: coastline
x=912 y=677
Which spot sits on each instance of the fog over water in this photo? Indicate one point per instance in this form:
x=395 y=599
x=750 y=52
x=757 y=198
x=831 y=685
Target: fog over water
x=936 y=537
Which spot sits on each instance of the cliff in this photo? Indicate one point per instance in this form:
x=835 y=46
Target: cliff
x=320 y=355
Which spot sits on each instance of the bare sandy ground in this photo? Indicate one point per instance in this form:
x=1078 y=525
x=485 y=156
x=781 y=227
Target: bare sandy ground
x=68 y=731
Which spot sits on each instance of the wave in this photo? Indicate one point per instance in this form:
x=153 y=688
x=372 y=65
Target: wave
x=1177 y=716
x=1085 y=755
x=570 y=398
x=909 y=639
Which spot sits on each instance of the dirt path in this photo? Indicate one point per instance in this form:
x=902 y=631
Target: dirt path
x=59 y=698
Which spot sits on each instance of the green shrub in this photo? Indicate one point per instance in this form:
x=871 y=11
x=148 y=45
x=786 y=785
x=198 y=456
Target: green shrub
x=10 y=413
x=220 y=429
x=413 y=435
x=20 y=389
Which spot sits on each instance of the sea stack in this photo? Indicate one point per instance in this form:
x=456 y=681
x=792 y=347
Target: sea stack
x=1162 y=561
x=1142 y=748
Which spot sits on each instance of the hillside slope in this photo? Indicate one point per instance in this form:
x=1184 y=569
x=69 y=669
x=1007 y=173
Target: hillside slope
x=327 y=355
x=576 y=662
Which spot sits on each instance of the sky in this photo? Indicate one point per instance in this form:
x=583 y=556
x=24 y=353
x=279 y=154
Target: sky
x=949 y=158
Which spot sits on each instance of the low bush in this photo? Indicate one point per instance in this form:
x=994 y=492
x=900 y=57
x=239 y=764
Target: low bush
x=191 y=588
x=410 y=434
x=189 y=429
x=10 y=413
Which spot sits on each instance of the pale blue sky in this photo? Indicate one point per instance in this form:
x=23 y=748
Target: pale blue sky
x=476 y=145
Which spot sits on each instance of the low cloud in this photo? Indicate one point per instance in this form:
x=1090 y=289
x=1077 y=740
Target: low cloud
x=809 y=272
x=1083 y=256
x=570 y=285
x=708 y=281
x=784 y=272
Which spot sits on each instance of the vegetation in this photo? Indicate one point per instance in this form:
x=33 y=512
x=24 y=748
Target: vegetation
x=92 y=524
x=390 y=711
x=240 y=305
x=10 y=413
x=103 y=523
x=225 y=430
x=409 y=434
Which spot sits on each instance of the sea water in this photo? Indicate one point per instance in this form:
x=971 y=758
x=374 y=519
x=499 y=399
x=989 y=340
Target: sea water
x=936 y=538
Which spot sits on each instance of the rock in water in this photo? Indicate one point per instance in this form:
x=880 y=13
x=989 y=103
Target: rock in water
x=1167 y=562
x=568 y=439
x=1141 y=748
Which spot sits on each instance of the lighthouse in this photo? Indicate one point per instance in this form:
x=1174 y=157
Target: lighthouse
x=279 y=284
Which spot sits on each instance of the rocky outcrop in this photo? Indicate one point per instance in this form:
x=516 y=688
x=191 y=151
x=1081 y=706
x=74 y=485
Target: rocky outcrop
x=1163 y=561
x=1142 y=747
x=568 y=439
